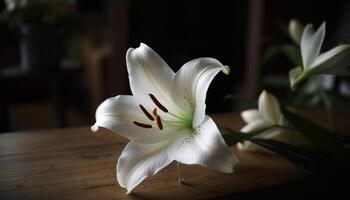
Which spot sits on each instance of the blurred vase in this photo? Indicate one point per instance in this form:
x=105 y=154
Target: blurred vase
x=40 y=47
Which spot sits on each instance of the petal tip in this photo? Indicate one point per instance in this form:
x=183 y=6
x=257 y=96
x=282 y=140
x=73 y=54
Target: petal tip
x=240 y=146
x=246 y=146
x=264 y=94
x=323 y=28
x=94 y=128
x=144 y=47
x=128 y=52
x=295 y=29
x=226 y=70
x=143 y=44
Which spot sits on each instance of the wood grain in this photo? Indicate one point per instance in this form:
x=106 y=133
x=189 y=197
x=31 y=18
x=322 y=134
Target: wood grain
x=78 y=164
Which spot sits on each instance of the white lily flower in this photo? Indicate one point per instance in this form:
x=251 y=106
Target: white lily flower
x=165 y=118
x=267 y=115
x=334 y=61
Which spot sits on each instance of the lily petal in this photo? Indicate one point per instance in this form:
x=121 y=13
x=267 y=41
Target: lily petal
x=191 y=83
x=275 y=134
x=295 y=29
x=253 y=126
x=269 y=108
x=148 y=73
x=118 y=113
x=330 y=60
x=256 y=125
x=139 y=161
x=251 y=115
x=311 y=43
x=205 y=147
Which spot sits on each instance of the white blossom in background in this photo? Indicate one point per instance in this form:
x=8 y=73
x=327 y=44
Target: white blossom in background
x=165 y=118
x=268 y=114
x=334 y=61
x=344 y=88
x=12 y=4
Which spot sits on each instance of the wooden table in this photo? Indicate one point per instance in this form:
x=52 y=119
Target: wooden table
x=78 y=164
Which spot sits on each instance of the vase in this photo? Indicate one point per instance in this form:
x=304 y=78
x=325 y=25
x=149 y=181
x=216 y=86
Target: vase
x=40 y=47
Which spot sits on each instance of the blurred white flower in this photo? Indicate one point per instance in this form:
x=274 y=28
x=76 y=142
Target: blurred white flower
x=10 y=4
x=165 y=118
x=267 y=115
x=295 y=29
x=344 y=88
x=323 y=82
x=334 y=61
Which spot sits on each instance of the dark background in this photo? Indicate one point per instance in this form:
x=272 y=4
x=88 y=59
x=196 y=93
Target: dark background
x=234 y=32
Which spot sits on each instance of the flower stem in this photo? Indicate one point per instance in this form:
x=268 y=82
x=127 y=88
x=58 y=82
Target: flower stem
x=329 y=107
x=179 y=174
x=327 y=104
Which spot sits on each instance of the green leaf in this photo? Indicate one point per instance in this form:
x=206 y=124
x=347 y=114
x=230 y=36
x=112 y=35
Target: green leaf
x=293 y=54
x=271 y=52
x=320 y=139
x=276 y=80
x=310 y=162
x=232 y=137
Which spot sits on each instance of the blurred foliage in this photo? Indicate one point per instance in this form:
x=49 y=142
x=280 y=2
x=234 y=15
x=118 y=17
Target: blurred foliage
x=38 y=12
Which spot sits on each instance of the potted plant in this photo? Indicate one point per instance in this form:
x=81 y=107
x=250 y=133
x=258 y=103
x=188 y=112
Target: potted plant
x=40 y=24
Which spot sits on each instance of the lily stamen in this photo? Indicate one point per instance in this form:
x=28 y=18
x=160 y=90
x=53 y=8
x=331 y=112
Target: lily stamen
x=142 y=125
x=159 y=123
x=158 y=104
x=148 y=115
x=154 y=112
